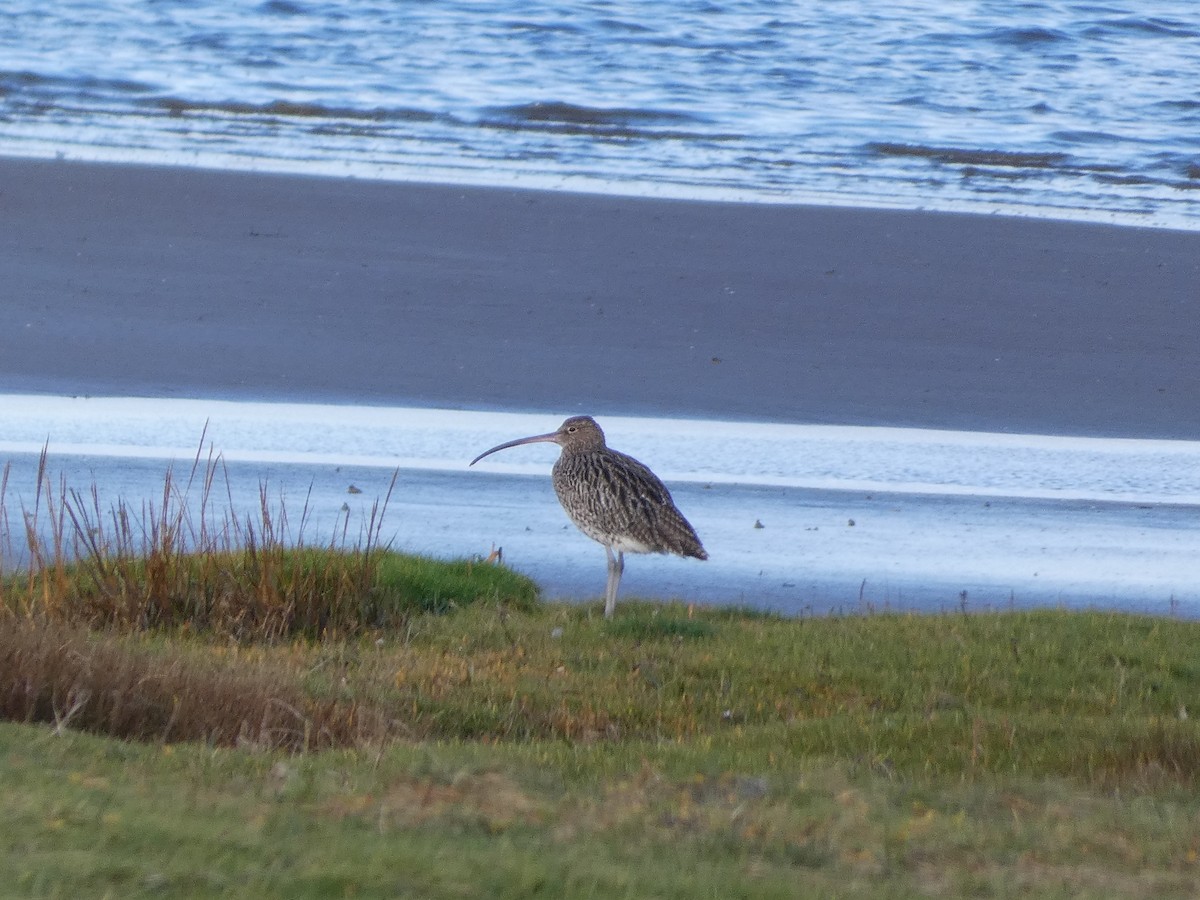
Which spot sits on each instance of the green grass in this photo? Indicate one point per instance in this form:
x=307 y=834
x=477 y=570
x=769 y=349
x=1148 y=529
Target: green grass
x=407 y=582
x=545 y=751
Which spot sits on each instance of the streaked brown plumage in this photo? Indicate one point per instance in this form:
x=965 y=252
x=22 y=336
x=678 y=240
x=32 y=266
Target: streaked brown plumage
x=613 y=499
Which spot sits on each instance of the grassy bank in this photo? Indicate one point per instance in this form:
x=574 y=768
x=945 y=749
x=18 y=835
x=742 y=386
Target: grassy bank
x=672 y=752
x=211 y=707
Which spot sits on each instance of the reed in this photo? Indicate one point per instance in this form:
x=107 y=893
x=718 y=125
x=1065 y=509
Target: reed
x=190 y=559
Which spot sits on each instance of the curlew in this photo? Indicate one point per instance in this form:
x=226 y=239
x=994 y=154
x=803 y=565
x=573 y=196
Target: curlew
x=613 y=499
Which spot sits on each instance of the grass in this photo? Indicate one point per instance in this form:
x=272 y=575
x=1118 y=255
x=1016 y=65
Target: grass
x=435 y=731
x=501 y=752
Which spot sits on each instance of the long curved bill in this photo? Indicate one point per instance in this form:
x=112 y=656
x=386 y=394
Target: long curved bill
x=536 y=439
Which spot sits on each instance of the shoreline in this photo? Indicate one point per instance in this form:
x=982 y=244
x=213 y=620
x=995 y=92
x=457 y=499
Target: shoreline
x=175 y=282
x=586 y=186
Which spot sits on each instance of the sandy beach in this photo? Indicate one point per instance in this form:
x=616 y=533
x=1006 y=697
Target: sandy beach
x=141 y=281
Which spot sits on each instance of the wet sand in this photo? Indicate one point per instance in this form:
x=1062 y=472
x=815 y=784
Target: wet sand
x=140 y=281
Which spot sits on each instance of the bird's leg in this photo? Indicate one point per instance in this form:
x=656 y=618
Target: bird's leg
x=620 y=572
x=610 y=600
x=616 y=566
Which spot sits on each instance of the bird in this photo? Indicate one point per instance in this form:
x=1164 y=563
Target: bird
x=613 y=499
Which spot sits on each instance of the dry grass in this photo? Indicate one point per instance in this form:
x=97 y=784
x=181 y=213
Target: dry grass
x=72 y=678
x=180 y=561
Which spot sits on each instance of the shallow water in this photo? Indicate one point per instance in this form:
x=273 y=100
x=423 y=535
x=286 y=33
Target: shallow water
x=795 y=518
x=1069 y=109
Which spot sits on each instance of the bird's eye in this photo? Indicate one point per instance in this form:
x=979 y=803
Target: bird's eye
x=571 y=430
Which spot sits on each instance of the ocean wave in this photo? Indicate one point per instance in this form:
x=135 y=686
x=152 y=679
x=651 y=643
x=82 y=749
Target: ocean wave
x=1143 y=27
x=285 y=108
x=973 y=157
x=574 y=114
x=569 y=118
x=1026 y=37
x=11 y=81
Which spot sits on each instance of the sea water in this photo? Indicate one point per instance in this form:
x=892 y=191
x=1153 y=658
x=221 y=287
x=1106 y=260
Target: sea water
x=1064 y=108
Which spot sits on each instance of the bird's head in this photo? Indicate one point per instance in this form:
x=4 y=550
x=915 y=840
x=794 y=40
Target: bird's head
x=574 y=435
x=579 y=433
